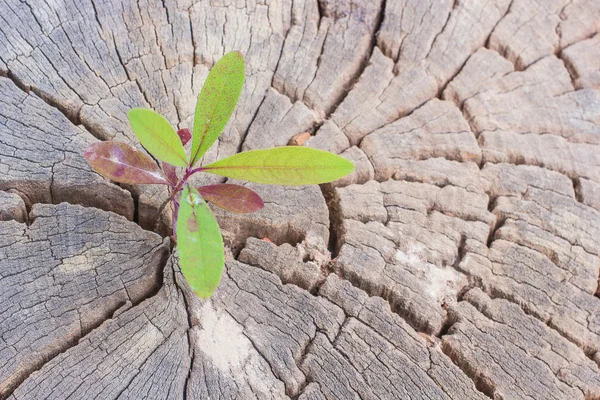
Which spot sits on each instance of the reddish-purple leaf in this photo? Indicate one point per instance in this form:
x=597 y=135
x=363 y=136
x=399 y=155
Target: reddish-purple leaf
x=171 y=173
x=123 y=163
x=185 y=135
x=234 y=198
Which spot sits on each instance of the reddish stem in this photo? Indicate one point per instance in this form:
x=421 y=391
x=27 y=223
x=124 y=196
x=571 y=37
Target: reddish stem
x=188 y=172
x=199 y=169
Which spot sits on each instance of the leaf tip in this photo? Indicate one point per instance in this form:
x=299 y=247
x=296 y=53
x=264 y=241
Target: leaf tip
x=89 y=154
x=349 y=166
x=260 y=204
x=237 y=53
x=131 y=113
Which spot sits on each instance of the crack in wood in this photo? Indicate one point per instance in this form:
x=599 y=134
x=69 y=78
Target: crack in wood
x=336 y=232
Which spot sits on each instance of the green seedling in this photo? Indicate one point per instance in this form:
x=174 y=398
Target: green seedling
x=195 y=228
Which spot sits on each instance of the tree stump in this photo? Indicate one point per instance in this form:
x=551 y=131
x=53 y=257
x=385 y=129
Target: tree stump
x=459 y=261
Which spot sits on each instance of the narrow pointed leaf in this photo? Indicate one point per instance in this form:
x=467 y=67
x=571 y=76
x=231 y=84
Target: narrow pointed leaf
x=200 y=244
x=184 y=135
x=123 y=163
x=233 y=198
x=216 y=102
x=290 y=165
x=158 y=136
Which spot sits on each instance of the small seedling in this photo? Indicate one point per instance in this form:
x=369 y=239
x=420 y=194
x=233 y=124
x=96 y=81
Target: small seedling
x=195 y=228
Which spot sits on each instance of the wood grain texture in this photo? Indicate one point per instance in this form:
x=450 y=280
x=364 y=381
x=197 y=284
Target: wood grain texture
x=460 y=260
x=65 y=274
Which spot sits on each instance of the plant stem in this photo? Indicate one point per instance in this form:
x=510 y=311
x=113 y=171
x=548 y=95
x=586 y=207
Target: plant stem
x=199 y=169
x=188 y=172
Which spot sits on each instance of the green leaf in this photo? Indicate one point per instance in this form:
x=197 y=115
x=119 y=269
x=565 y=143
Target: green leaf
x=200 y=244
x=158 y=136
x=290 y=165
x=216 y=102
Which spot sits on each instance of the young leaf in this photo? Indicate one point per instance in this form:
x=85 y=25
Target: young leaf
x=233 y=198
x=123 y=163
x=184 y=135
x=216 y=102
x=290 y=165
x=200 y=244
x=158 y=136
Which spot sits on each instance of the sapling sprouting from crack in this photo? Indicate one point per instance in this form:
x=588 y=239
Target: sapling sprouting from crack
x=195 y=229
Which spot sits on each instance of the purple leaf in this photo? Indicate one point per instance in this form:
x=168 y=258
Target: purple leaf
x=123 y=163
x=185 y=135
x=171 y=173
x=233 y=198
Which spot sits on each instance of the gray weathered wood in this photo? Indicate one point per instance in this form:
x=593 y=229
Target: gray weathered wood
x=12 y=206
x=42 y=156
x=64 y=275
x=459 y=261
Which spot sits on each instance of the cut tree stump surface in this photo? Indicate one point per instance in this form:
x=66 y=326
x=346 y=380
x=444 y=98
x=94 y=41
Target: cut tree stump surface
x=459 y=261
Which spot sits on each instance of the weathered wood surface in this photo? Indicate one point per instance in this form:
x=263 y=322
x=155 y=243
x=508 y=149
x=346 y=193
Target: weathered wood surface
x=459 y=261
